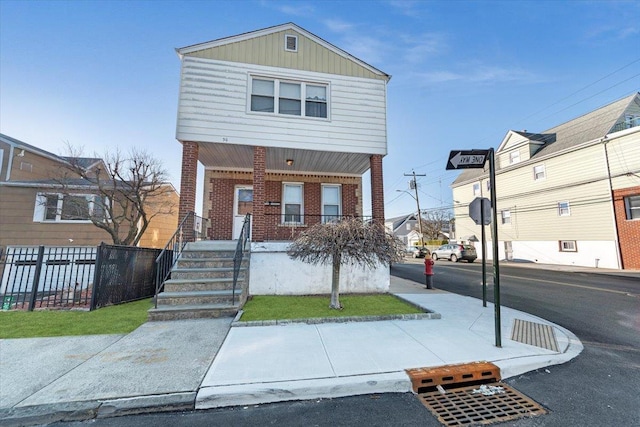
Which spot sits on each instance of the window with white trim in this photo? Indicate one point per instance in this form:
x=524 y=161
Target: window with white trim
x=514 y=157
x=292 y=203
x=568 y=246
x=476 y=189
x=564 y=209
x=331 y=202
x=539 y=172
x=289 y=95
x=506 y=216
x=55 y=207
x=632 y=207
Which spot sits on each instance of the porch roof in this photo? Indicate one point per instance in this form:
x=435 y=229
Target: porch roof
x=240 y=157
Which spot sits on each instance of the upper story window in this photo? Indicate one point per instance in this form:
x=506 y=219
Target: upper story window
x=539 y=172
x=632 y=207
x=69 y=207
x=476 y=189
x=564 y=209
x=292 y=203
x=506 y=216
x=514 y=157
x=285 y=97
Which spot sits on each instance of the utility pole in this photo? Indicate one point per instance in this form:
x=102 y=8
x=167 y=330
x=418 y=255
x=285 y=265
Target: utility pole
x=414 y=185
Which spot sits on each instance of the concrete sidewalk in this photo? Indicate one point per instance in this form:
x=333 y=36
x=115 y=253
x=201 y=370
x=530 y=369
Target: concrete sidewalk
x=201 y=364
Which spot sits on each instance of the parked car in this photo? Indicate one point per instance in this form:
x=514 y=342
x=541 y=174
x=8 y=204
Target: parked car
x=420 y=252
x=455 y=252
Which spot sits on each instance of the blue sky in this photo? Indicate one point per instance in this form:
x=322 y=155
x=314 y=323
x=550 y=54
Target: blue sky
x=104 y=74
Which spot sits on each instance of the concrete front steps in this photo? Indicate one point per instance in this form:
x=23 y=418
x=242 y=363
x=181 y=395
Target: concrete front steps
x=201 y=283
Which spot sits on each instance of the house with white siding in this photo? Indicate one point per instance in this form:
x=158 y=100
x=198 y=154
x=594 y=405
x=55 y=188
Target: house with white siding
x=567 y=195
x=285 y=124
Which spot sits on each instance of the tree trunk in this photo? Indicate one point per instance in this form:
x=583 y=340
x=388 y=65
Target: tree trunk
x=335 y=282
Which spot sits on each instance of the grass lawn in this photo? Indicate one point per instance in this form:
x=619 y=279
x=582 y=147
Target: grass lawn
x=304 y=307
x=116 y=319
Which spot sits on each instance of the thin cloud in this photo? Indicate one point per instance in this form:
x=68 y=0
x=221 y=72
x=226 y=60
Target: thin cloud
x=406 y=7
x=338 y=25
x=479 y=75
x=294 y=9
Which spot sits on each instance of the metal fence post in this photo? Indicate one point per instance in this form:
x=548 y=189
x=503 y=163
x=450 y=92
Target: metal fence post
x=36 y=278
x=97 y=275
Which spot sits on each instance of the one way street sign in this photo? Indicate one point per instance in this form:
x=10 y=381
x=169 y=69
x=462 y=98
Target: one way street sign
x=469 y=159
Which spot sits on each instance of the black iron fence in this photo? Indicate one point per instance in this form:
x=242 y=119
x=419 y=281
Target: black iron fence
x=286 y=227
x=75 y=277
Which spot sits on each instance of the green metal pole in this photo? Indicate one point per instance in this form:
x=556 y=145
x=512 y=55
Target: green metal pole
x=496 y=264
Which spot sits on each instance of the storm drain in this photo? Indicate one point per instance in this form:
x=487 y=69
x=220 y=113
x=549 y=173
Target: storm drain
x=479 y=405
x=470 y=394
x=535 y=334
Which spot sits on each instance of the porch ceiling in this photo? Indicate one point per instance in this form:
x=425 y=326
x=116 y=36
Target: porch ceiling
x=228 y=156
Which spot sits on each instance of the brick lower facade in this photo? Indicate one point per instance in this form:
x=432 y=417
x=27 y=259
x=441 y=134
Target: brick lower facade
x=628 y=229
x=219 y=198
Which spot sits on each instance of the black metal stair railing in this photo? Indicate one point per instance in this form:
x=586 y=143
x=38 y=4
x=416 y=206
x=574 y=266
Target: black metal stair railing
x=239 y=253
x=191 y=228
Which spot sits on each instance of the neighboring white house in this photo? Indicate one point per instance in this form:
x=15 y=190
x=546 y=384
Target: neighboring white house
x=568 y=195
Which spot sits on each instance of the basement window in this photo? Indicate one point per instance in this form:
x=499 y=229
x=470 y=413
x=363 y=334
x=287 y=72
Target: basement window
x=568 y=246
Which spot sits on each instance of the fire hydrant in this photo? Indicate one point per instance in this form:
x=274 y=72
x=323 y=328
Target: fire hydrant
x=428 y=271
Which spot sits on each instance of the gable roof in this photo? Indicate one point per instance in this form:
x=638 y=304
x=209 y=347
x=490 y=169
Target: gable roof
x=588 y=127
x=275 y=29
x=398 y=221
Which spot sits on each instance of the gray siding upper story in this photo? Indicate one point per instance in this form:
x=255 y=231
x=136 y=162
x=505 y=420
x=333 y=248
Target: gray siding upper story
x=215 y=94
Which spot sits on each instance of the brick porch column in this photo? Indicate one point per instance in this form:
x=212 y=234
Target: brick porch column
x=377 y=189
x=258 y=227
x=188 y=180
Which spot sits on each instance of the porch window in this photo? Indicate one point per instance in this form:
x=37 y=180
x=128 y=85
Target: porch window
x=292 y=206
x=632 y=207
x=331 y=202
x=284 y=97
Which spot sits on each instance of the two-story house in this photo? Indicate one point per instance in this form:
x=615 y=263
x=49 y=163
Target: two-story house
x=567 y=195
x=285 y=125
x=35 y=209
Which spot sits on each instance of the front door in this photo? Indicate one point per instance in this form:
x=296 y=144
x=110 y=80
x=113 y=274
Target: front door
x=242 y=205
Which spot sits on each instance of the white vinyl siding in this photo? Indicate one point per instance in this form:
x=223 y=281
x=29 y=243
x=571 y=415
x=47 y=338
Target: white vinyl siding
x=356 y=121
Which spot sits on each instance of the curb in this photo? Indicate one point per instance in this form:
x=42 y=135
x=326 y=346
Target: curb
x=88 y=410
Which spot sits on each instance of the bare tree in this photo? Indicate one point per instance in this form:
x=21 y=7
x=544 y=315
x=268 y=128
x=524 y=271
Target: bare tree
x=127 y=192
x=433 y=222
x=348 y=241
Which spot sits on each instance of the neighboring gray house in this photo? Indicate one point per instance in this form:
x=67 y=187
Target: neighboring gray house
x=405 y=228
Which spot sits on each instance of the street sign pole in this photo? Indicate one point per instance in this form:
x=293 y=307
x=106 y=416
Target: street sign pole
x=496 y=264
x=484 y=259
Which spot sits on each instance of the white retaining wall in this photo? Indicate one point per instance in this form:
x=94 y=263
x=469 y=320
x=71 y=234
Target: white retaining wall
x=272 y=272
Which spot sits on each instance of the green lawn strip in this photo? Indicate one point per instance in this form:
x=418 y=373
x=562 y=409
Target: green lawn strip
x=115 y=319
x=268 y=307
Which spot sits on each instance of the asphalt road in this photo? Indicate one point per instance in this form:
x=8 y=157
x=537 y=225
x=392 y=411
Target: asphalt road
x=599 y=388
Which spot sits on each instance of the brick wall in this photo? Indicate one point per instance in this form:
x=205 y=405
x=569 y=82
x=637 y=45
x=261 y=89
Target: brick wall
x=628 y=230
x=377 y=189
x=220 y=194
x=188 y=179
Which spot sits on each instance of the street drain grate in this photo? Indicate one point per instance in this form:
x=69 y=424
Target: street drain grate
x=479 y=405
x=535 y=334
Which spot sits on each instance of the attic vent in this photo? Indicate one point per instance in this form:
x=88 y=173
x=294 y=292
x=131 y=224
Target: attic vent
x=290 y=43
